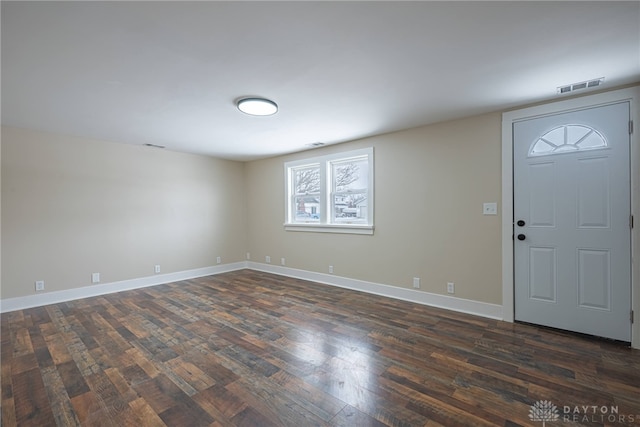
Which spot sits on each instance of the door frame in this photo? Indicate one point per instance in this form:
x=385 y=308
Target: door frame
x=632 y=95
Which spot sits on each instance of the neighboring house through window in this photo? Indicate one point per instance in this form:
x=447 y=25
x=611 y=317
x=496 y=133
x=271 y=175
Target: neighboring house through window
x=331 y=193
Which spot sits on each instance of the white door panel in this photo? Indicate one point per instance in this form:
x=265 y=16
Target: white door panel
x=594 y=279
x=542 y=274
x=542 y=205
x=572 y=191
x=593 y=193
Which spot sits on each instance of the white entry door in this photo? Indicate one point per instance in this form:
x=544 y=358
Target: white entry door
x=572 y=236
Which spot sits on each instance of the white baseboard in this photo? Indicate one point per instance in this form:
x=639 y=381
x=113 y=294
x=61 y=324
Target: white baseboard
x=46 y=298
x=492 y=311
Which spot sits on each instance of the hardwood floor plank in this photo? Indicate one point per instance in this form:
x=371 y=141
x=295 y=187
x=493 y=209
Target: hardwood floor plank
x=8 y=413
x=183 y=415
x=220 y=403
x=321 y=404
x=145 y=413
x=350 y=416
x=59 y=397
x=423 y=396
x=159 y=392
x=21 y=342
x=273 y=406
x=32 y=406
x=250 y=417
x=7 y=402
x=211 y=364
x=24 y=363
x=495 y=404
x=191 y=374
x=249 y=348
x=442 y=384
x=145 y=364
x=87 y=408
x=250 y=360
x=113 y=404
x=72 y=379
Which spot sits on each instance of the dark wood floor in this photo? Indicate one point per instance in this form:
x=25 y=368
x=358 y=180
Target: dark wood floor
x=254 y=349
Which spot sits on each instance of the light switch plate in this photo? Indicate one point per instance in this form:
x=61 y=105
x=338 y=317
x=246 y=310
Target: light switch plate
x=490 y=209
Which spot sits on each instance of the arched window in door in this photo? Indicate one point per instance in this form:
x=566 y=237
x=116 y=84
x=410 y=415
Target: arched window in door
x=567 y=139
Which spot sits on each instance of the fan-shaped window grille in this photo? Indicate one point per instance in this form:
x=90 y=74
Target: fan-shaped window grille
x=567 y=139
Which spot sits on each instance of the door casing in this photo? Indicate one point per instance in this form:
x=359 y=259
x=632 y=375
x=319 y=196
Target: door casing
x=508 y=118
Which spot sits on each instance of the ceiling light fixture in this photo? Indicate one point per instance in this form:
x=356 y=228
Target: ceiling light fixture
x=257 y=106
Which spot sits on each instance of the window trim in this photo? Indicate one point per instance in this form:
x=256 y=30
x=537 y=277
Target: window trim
x=325 y=224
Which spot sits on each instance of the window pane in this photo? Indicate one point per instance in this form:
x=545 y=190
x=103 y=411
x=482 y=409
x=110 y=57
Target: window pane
x=306 y=180
x=307 y=208
x=567 y=139
x=352 y=175
x=331 y=193
x=351 y=207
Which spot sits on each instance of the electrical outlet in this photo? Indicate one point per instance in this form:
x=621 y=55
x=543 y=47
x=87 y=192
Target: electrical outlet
x=281 y=261
x=95 y=278
x=267 y=259
x=218 y=260
x=156 y=269
x=451 y=288
x=331 y=269
x=39 y=285
x=248 y=255
x=416 y=282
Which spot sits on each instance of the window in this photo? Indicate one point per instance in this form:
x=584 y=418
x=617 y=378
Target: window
x=568 y=139
x=332 y=193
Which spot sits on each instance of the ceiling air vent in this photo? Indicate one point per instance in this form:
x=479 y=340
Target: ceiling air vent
x=581 y=85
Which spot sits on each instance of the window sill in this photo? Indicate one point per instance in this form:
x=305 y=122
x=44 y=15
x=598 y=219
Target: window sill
x=330 y=228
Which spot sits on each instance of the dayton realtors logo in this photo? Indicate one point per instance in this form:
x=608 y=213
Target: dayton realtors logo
x=545 y=411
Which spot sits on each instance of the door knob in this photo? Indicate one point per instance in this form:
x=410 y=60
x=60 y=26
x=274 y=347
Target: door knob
x=521 y=237
x=520 y=223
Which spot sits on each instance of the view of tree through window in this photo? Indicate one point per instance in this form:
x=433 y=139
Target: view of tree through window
x=349 y=197
x=307 y=193
x=331 y=190
x=307 y=180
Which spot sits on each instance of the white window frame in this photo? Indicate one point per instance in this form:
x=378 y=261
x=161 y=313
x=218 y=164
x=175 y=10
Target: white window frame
x=325 y=223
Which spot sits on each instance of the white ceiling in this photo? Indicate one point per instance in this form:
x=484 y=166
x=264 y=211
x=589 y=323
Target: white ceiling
x=168 y=73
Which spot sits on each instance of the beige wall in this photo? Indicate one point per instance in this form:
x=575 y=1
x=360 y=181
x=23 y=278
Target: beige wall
x=430 y=184
x=72 y=207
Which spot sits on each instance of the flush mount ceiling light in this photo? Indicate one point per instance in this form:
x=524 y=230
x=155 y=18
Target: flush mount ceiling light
x=257 y=106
